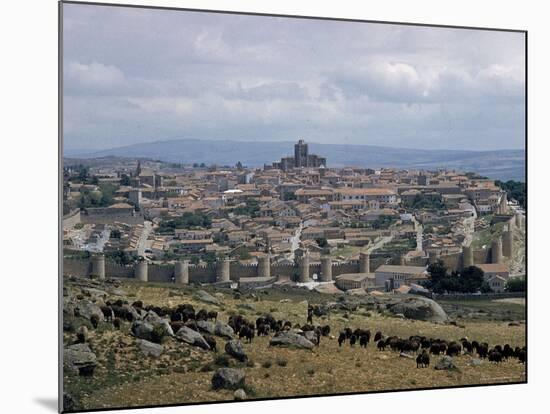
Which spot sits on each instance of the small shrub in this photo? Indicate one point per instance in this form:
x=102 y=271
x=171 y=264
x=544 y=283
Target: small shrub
x=94 y=320
x=267 y=364
x=222 y=360
x=207 y=368
x=267 y=375
x=310 y=372
x=250 y=363
x=159 y=333
x=281 y=362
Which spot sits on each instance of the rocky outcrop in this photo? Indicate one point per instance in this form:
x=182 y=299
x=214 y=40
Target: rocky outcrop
x=223 y=329
x=418 y=308
x=150 y=348
x=206 y=297
x=291 y=339
x=236 y=350
x=192 y=337
x=80 y=359
x=228 y=378
x=86 y=309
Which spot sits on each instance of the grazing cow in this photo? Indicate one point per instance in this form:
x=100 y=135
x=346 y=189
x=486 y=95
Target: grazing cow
x=318 y=335
x=507 y=351
x=138 y=304
x=377 y=336
x=495 y=356
x=454 y=349
x=201 y=315
x=192 y=325
x=308 y=327
x=260 y=321
x=325 y=330
x=176 y=325
x=423 y=360
x=116 y=323
x=410 y=346
x=246 y=332
x=467 y=345
x=212 y=315
x=381 y=345
x=348 y=332
x=435 y=348
x=341 y=338
x=210 y=341
x=363 y=341
x=352 y=340
x=263 y=329
x=522 y=355
x=483 y=350
x=107 y=312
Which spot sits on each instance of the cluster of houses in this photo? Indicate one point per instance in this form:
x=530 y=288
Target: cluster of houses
x=300 y=203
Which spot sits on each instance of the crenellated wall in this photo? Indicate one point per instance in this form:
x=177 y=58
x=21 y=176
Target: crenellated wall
x=210 y=273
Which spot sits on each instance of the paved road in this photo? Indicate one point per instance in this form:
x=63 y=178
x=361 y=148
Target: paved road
x=295 y=241
x=142 y=243
x=380 y=243
x=419 y=234
x=469 y=229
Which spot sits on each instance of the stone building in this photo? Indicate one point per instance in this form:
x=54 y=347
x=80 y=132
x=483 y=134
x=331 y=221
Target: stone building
x=302 y=159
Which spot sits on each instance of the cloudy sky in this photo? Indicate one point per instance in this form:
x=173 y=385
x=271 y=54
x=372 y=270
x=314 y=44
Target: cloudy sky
x=139 y=75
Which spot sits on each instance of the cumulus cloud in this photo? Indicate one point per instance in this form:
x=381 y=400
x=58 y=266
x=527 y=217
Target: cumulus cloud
x=135 y=75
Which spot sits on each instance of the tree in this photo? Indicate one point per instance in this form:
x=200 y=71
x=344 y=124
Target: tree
x=515 y=190
x=438 y=273
x=124 y=180
x=472 y=279
x=321 y=242
x=516 y=284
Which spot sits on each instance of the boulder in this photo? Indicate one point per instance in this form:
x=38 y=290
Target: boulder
x=228 y=378
x=142 y=330
x=206 y=326
x=223 y=329
x=236 y=350
x=418 y=308
x=86 y=309
x=150 y=348
x=445 y=363
x=95 y=292
x=475 y=362
x=206 y=297
x=291 y=339
x=192 y=337
x=130 y=309
x=311 y=337
x=80 y=359
x=154 y=319
x=239 y=395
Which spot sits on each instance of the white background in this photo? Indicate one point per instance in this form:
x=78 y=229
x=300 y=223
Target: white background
x=28 y=226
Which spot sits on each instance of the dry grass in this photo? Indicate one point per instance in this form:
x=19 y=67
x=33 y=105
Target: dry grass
x=176 y=377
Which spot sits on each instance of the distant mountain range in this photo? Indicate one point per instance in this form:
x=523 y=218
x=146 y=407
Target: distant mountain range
x=499 y=164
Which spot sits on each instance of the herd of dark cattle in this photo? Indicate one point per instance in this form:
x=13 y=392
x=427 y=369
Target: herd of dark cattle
x=426 y=346
x=185 y=315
